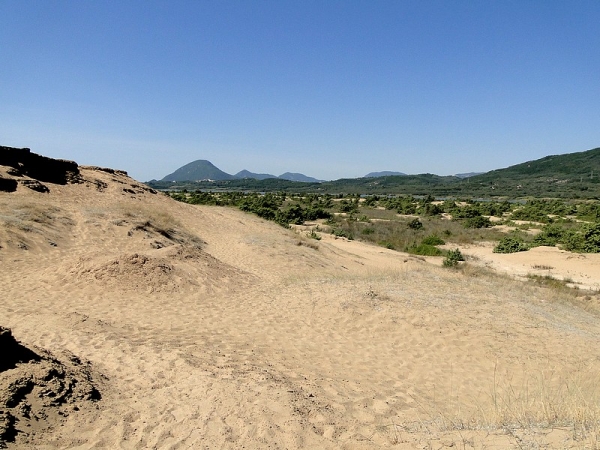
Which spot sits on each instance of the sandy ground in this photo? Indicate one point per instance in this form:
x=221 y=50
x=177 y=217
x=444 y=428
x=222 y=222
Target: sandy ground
x=579 y=270
x=209 y=328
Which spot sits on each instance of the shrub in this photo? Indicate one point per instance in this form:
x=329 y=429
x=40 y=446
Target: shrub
x=550 y=236
x=348 y=206
x=415 y=224
x=403 y=205
x=510 y=245
x=452 y=258
x=314 y=235
x=478 y=222
x=338 y=232
x=433 y=239
x=371 y=200
x=425 y=250
x=533 y=212
x=429 y=209
x=585 y=241
x=466 y=212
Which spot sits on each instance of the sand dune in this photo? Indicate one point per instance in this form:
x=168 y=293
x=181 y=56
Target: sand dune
x=205 y=327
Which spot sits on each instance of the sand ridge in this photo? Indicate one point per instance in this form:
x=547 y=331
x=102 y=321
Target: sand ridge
x=213 y=328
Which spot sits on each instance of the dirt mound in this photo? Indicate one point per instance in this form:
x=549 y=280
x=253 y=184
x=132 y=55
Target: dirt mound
x=37 y=390
x=136 y=272
x=172 y=269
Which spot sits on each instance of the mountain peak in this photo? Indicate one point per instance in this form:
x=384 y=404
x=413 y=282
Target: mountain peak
x=200 y=169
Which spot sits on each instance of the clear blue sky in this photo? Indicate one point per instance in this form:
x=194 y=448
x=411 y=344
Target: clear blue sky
x=331 y=89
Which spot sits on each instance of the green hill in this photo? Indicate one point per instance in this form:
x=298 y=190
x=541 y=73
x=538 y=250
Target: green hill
x=569 y=175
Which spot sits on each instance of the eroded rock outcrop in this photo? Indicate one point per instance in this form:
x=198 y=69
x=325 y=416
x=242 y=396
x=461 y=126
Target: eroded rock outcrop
x=47 y=170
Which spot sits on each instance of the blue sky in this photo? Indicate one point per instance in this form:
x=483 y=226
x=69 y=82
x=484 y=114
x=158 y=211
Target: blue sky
x=332 y=89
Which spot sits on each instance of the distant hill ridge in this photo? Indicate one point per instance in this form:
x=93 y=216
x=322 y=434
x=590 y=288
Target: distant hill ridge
x=205 y=170
x=385 y=173
x=571 y=175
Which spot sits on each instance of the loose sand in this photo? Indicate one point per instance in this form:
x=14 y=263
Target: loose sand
x=208 y=328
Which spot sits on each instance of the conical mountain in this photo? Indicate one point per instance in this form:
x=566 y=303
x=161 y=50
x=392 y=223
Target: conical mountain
x=198 y=170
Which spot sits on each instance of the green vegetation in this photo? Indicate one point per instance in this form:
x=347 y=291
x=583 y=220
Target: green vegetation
x=584 y=240
x=389 y=221
x=433 y=239
x=270 y=206
x=425 y=250
x=452 y=258
x=511 y=245
x=415 y=224
x=478 y=222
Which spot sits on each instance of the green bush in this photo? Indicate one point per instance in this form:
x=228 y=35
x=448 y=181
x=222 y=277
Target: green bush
x=403 y=205
x=415 y=224
x=510 y=245
x=433 y=239
x=348 y=206
x=466 y=212
x=587 y=240
x=530 y=215
x=477 y=222
x=452 y=258
x=371 y=201
x=425 y=250
x=338 y=232
x=550 y=236
x=429 y=209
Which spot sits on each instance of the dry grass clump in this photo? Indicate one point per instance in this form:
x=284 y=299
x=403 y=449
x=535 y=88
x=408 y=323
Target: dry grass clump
x=30 y=216
x=142 y=214
x=27 y=225
x=527 y=410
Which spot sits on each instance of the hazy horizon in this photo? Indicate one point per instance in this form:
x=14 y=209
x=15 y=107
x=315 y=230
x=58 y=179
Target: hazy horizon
x=328 y=89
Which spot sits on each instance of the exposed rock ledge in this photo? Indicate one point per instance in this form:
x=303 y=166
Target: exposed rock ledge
x=23 y=163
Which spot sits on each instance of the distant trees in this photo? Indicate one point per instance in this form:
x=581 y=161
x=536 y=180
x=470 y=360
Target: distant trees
x=269 y=206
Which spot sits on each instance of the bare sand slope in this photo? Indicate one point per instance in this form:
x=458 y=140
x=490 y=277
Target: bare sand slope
x=580 y=270
x=208 y=328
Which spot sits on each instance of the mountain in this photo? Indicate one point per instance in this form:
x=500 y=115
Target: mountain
x=297 y=177
x=198 y=170
x=385 y=173
x=205 y=170
x=257 y=176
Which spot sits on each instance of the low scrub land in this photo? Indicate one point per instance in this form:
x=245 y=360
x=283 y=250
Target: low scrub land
x=418 y=224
